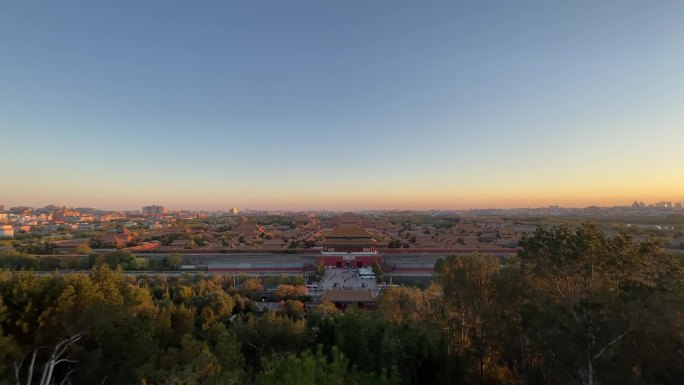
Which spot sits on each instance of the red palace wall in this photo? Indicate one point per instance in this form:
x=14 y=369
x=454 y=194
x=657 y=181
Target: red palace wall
x=340 y=249
x=365 y=261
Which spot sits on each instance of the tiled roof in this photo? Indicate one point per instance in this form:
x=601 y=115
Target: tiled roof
x=72 y=242
x=349 y=242
x=114 y=238
x=149 y=246
x=349 y=296
x=349 y=217
x=348 y=232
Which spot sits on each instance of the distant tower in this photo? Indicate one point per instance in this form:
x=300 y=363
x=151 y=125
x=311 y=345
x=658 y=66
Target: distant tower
x=233 y=211
x=153 y=210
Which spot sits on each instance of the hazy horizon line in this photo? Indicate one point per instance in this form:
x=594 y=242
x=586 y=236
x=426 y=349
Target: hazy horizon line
x=337 y=209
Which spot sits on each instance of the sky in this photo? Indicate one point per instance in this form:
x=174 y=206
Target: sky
x=341 y=105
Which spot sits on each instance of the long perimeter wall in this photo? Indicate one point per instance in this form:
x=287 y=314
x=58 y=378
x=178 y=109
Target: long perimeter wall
x=421 y=263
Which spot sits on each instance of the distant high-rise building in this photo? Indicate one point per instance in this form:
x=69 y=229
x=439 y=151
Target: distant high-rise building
x=21 y=210
x=6 y=231
x=233 y=211
x=154 y=210
x=2 y=207
x=64 y=213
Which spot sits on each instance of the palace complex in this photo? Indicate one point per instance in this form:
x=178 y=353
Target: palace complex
x=349 y=244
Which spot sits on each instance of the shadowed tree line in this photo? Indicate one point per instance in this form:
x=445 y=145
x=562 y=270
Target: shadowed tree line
x=120 y=258
x=574 y=307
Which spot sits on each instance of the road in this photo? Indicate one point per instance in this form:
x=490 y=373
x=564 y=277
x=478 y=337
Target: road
x=171 y=273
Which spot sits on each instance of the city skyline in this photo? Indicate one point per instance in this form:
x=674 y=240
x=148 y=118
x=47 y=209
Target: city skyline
x=676 y=204
x=346 y=106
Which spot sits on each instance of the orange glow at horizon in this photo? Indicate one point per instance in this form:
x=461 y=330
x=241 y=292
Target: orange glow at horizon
x=421 y=193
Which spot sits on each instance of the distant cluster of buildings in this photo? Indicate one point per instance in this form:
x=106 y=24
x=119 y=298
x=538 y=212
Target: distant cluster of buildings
x=658 y=205
x=51 y=218
x=23 y=219
x=635 y=208
x=340 y=239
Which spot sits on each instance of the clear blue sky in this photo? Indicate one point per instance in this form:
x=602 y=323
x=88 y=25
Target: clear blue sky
x=341 y=104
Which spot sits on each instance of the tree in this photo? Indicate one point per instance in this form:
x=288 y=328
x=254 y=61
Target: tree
x=327 y=308
x=193 y=362
x=320 y=270
x=284 y=291
x=394 y=244
x=83 y=249
x=48 y=262
x=9 y=351
x=116 y=258
x=594 y=294
x=399 y=304
x=294 y=309
x=316 y=369
x=269 y=334
x=469 y=288
x=174 y=260
x=138 y=263
x=377 y=270
x=253 y=286
x=15 y=260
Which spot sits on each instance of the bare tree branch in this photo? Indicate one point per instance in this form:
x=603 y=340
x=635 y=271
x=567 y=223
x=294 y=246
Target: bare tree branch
x=613 y=342
x=30 y=369
x=48 y=367
x=64 y=360
x=66 y=377
x=16 y=371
